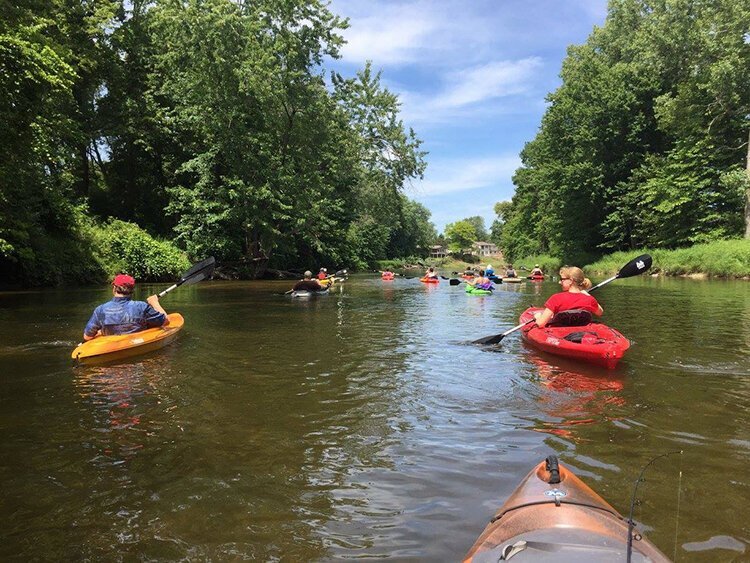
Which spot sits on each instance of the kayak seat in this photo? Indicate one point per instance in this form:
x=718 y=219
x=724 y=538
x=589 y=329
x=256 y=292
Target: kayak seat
x=573 y=317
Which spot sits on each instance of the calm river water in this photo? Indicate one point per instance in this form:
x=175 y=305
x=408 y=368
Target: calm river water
x=362 y=424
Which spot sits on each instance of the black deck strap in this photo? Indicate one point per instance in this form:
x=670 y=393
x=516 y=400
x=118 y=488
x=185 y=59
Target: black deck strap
x=577 y=337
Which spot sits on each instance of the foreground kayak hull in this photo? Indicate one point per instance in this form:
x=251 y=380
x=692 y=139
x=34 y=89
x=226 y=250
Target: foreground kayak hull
x=112 y=348
x=558 y=519
x=608 y=349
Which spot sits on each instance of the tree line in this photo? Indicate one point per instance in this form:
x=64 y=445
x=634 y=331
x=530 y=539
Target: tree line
x=211 y=125
x=645 y=143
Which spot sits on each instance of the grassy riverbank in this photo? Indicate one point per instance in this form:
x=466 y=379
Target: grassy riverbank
x=725 y=258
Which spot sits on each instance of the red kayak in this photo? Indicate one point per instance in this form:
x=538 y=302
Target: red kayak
x=595 y=343
x=386 y=277
x=553 y=516
x=536 y=277
x=429 y=280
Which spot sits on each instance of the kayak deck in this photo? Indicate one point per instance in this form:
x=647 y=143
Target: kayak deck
x=111 y=348
x=471 y=290
x=553 y=516
x=601 y=345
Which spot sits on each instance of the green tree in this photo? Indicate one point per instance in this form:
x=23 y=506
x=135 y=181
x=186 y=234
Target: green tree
x=461 y=235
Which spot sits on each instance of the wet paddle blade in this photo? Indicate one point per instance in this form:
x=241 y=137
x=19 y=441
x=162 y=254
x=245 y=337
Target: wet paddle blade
x=454 y=281
x=494 y=339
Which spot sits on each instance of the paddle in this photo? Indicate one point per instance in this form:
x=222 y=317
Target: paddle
x=633 y=268
x=200 y=271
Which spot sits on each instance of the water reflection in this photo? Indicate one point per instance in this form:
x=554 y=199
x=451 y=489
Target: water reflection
x=575 y=394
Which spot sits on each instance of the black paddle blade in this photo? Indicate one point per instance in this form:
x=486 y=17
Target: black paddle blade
x=200 y=271
x=454 y=281
x=494 y=339
x=636 y=266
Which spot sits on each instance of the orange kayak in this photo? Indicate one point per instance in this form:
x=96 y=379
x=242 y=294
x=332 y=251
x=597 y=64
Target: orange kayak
x=110 y=348
x=554 y=516
x=429 y=280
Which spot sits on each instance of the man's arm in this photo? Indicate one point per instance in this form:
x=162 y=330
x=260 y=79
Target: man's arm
x=153 y=301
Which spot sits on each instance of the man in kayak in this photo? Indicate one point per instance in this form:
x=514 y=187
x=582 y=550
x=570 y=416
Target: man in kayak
x=308 y=284
x=572 y=297
x=537 y=271
x=122 y=315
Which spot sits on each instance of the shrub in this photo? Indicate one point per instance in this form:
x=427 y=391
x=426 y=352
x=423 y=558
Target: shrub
x=125 y=247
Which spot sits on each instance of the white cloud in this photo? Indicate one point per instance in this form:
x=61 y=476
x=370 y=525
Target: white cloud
x=476 y=93
x=491 y=80
x=394 y=36
x=458 y=175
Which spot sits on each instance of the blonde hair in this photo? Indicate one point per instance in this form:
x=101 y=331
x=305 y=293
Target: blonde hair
x=576 y=276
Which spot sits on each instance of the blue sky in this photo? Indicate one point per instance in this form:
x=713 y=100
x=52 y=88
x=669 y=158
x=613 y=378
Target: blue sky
x=472 y=77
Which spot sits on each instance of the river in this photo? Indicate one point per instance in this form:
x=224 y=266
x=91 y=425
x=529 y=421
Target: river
x=363 y=424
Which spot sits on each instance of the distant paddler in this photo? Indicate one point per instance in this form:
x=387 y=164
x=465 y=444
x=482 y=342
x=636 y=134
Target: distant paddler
x=307 y=283
x=481 y=282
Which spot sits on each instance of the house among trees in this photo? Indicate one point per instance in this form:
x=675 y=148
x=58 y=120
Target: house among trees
x=438 y=251
x=481 y=248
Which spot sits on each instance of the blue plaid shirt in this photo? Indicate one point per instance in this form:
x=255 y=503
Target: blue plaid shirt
x=122 y=315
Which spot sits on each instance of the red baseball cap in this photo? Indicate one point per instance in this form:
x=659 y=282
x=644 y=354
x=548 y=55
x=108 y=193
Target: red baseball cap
x=124 y=279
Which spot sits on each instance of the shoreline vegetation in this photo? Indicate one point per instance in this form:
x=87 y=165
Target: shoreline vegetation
x=720 y=259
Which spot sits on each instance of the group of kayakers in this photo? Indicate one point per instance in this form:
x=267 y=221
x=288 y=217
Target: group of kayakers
x=122 y=315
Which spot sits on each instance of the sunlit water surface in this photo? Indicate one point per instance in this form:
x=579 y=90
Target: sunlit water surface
x=363 y=424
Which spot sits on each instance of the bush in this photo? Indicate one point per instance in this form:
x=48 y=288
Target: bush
x=550 y=265
x=125 y=247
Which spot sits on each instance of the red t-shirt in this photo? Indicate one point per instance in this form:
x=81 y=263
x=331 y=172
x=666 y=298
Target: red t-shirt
x=322 y=276
x=565 y=301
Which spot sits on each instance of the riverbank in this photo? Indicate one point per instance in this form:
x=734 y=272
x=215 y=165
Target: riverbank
x=719 y=259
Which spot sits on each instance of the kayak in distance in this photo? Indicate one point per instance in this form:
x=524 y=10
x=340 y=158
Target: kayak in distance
x=594 y=343
x=386 y=277
x=471 y=290
x=512 y=280
x=305 y=293
x=553 y=516
x=429 y=280
x=536 y=277
x=110 y=348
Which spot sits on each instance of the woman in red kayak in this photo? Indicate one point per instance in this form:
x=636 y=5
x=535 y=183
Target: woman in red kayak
x=572 y=297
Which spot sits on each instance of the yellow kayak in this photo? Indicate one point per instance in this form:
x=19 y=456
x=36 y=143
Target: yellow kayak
x=110 y=348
